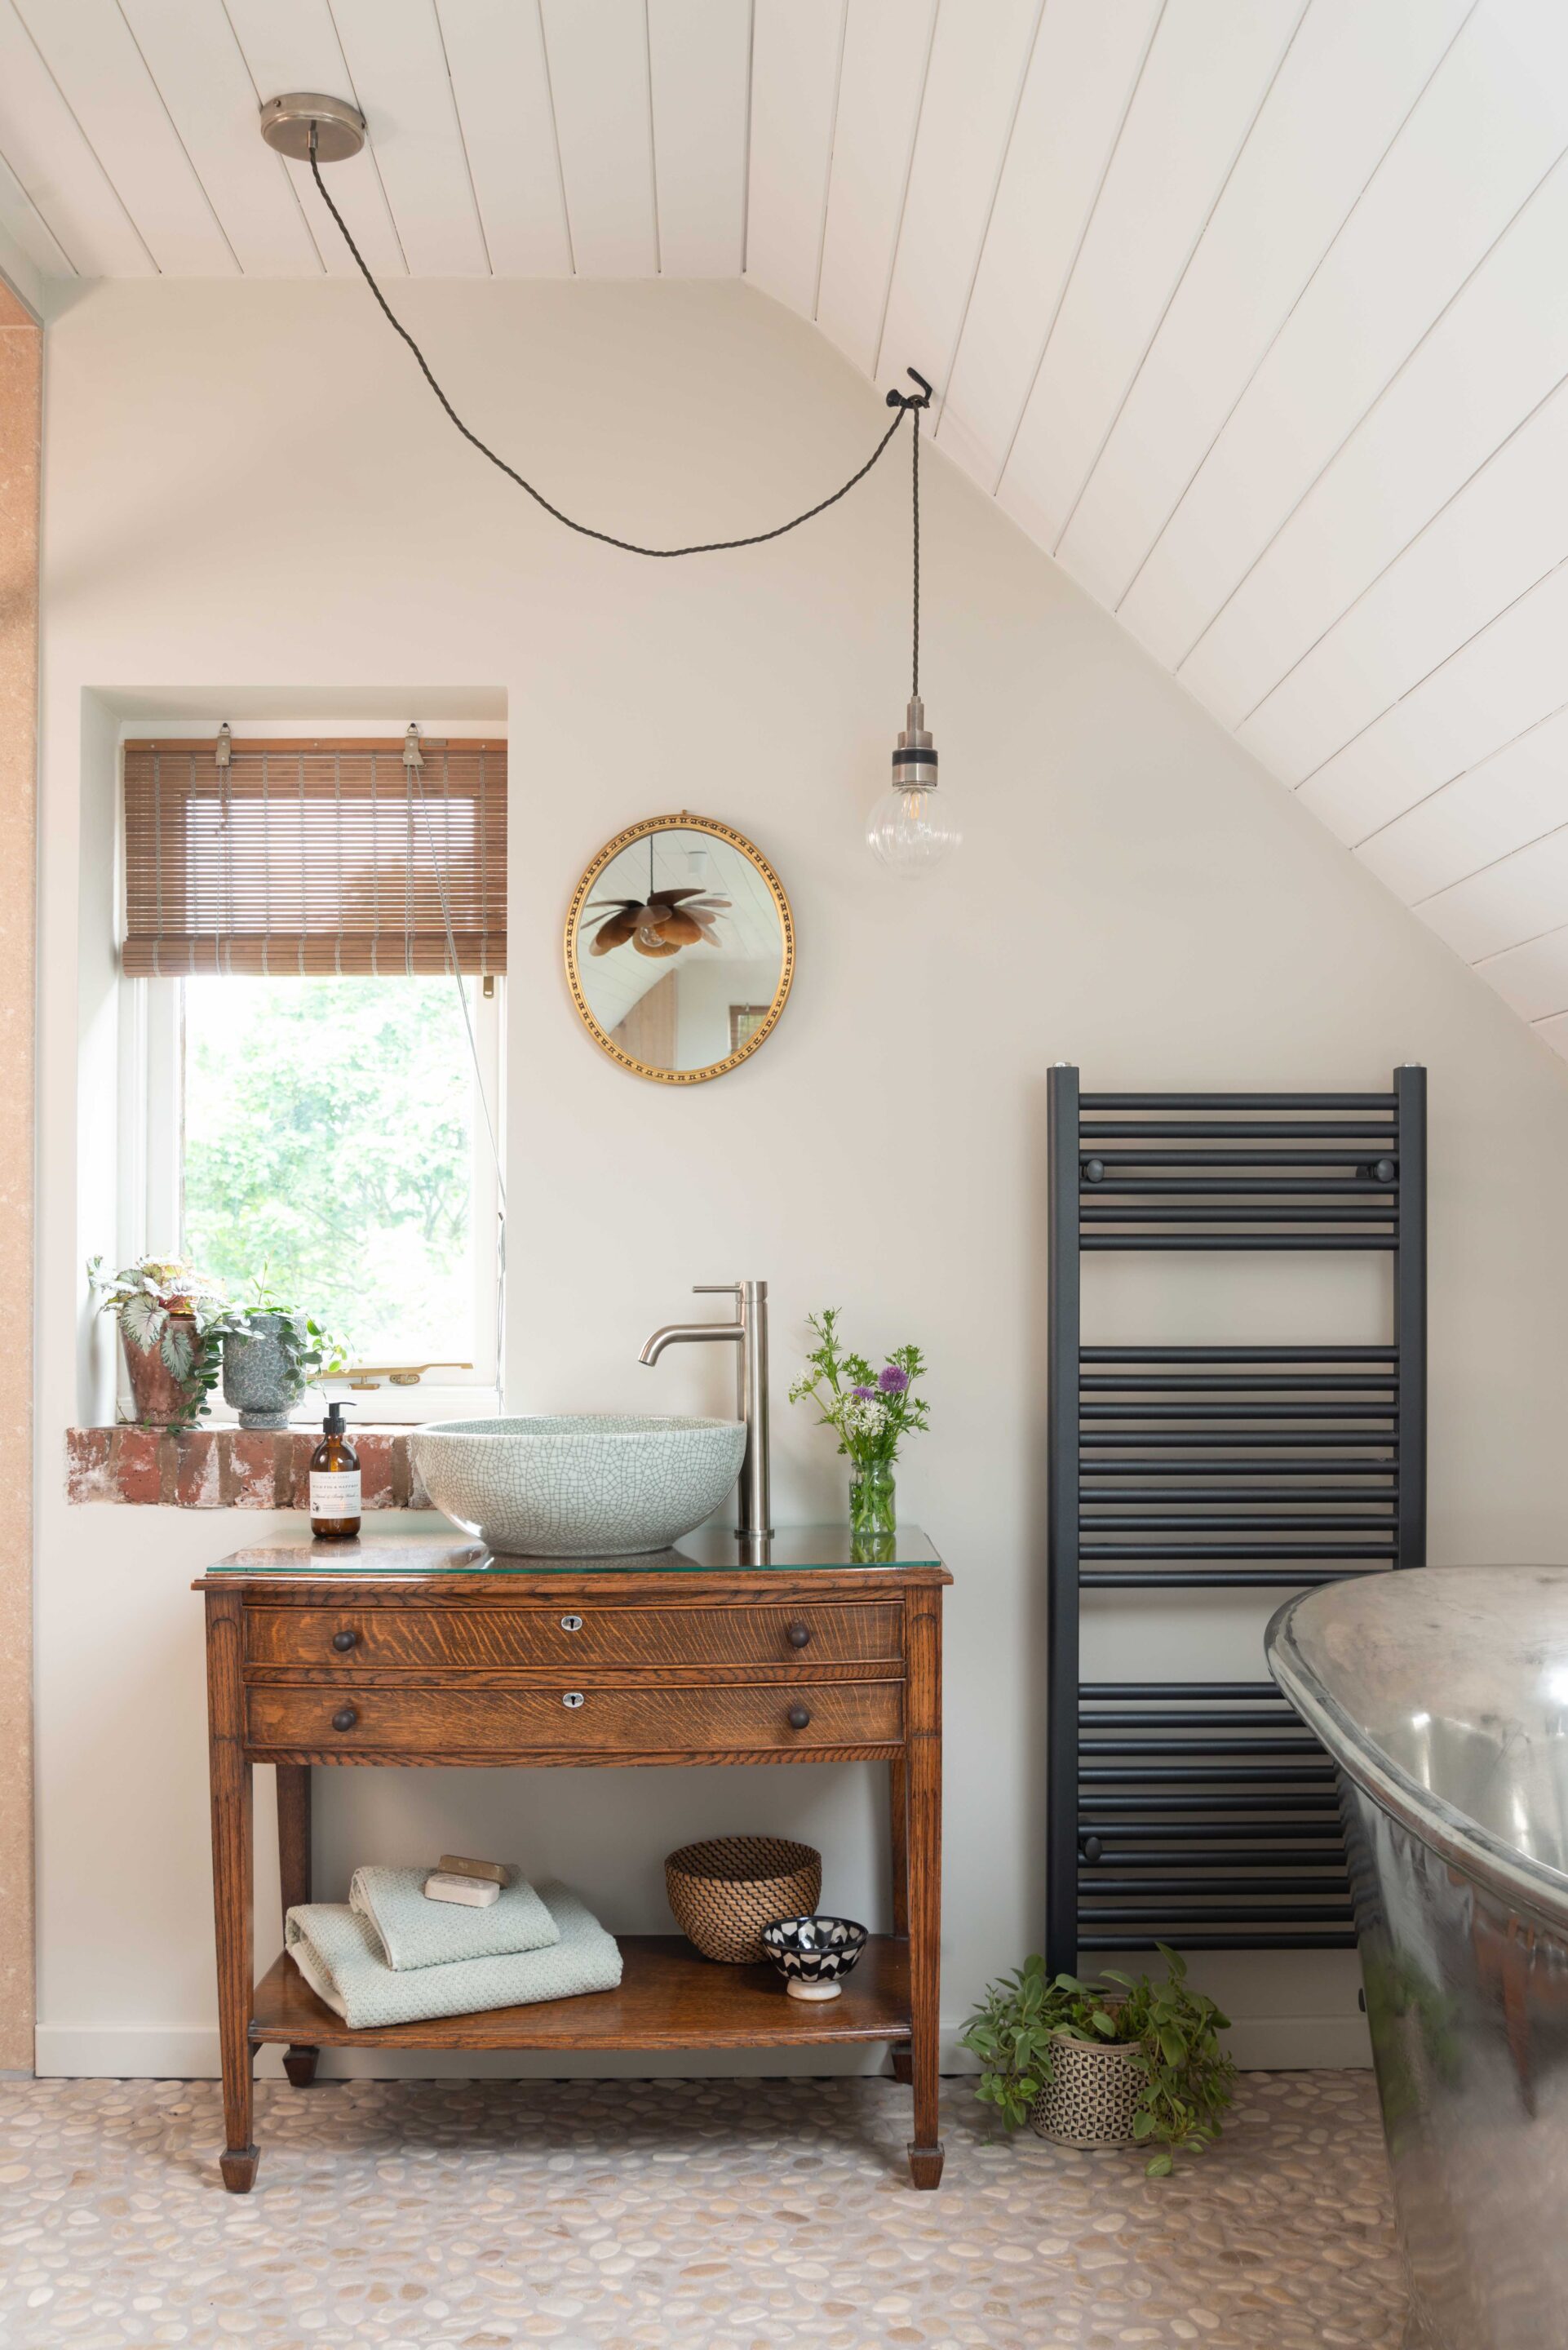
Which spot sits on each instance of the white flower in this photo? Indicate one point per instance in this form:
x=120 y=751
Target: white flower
x=862 y=1416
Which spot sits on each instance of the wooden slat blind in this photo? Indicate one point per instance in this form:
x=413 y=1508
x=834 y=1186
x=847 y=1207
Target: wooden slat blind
x=314 y=857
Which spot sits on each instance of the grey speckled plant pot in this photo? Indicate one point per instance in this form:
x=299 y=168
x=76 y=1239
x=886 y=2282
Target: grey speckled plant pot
x=586 y=1485
x=259 y=1380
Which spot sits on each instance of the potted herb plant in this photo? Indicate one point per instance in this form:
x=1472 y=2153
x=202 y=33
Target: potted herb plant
x=1123 y=2060
x=871 y=1412
x=272 y=1353
x=171 y=1321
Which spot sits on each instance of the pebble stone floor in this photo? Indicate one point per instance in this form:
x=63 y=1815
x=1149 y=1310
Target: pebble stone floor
x=712 y=2215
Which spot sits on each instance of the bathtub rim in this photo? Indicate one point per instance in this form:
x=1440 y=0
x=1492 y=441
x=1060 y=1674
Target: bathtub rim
x=1457 y=1838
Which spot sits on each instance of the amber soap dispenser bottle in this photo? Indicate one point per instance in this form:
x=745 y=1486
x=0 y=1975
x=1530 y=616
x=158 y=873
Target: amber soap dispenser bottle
x=334 y=1480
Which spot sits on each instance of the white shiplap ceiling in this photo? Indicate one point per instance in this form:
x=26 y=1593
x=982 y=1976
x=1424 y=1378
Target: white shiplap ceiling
x=1254 y=313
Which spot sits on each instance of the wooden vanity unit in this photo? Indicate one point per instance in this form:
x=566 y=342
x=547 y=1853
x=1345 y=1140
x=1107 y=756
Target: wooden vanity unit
x=402 y=1651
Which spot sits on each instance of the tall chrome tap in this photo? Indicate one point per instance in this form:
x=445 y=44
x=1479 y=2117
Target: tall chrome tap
x=750 y=1331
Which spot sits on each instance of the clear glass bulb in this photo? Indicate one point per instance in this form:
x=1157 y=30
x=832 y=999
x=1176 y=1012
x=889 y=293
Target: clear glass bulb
x=909 y=827
x=911 y=831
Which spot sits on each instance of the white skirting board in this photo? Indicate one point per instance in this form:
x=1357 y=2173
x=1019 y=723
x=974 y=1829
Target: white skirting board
x=189 y=2052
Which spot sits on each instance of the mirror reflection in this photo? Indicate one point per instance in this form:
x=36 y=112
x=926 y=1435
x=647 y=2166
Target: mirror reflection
x=679 y=948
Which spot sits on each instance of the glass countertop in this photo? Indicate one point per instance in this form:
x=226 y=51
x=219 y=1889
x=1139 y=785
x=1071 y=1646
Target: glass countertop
x=711 y=1550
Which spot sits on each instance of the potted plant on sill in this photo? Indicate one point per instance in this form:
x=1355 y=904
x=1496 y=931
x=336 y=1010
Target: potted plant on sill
x=871 y=1412
x=272 y=1352
x=171 y=1320
x=1121 y=2062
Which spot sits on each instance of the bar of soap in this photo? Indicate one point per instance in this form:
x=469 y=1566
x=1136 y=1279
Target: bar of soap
x=470 y=1892
x=453 y=1863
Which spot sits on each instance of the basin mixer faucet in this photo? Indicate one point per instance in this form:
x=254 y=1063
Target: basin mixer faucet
x=749 y=1331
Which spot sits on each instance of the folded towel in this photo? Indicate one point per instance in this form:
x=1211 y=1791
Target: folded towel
x=336 y=1951
x=410 y=1931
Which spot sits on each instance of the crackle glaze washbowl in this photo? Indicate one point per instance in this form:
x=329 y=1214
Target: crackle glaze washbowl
x=579 y=1484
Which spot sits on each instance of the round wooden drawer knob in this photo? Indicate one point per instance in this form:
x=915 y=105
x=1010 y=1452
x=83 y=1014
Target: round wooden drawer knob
x=345 y=1717
x=799 y=1635
x=345 y=1640
x=798 y=1717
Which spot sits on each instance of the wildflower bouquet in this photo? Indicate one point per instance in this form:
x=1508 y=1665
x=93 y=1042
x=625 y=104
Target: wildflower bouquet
x=870 y=1411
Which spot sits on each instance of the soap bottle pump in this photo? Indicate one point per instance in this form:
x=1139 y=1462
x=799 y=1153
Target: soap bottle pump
x=334 y=1480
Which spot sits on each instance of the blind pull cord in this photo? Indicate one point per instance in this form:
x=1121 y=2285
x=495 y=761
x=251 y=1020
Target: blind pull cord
x=413 y=765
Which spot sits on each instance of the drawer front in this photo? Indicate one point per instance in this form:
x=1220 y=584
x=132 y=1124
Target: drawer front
x=572 y=1636
x=598 y=1723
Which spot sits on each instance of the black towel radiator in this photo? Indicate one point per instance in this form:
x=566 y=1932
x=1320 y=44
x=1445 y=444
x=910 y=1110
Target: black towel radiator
x=1203 y=1813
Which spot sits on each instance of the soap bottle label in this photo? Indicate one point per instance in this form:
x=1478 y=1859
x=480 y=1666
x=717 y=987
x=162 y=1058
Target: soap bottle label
x=335 y=1493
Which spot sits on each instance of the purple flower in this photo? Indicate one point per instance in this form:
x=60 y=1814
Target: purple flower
x=892 y=1380
x=867 y=1395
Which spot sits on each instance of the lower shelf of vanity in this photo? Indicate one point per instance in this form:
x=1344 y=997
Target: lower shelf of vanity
x=668 y=1997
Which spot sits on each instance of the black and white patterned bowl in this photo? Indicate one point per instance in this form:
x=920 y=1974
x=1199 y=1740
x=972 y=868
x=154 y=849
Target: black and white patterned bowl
x=813 y=1954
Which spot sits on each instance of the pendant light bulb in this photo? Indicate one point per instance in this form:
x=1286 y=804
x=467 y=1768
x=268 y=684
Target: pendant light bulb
x=909 y=827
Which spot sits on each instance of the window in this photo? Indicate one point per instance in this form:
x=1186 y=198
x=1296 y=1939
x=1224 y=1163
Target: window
x=319 y=1108
x=745 y=1019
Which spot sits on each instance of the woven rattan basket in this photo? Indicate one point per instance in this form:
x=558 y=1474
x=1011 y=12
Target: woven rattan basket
x=725 y=1892
x=1092 y=2099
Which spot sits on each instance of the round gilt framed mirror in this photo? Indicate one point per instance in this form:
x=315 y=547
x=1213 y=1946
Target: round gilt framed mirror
x=679 y=949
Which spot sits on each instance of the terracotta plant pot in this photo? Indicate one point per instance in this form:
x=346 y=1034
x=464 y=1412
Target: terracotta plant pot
x=1093 y=2097
x=157 y=1395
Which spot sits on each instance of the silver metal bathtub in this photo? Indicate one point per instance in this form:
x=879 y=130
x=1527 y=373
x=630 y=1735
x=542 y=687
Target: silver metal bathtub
x=1442 y=1695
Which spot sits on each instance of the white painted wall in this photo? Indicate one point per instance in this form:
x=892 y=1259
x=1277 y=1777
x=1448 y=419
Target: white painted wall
x=250 y=499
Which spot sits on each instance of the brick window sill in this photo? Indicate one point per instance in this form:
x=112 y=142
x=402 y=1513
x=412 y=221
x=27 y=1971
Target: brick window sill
x=231 y=1468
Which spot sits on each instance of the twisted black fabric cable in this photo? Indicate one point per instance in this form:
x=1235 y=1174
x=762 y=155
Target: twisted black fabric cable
x=586 y=530
x=915 y=469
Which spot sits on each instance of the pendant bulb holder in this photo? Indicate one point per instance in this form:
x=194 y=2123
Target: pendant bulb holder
x=914 y=753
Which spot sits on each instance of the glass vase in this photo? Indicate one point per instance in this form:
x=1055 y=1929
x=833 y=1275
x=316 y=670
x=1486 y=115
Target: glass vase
x=872 y=1512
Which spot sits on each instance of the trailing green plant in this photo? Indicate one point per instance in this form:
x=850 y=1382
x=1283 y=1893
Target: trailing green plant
x=1173 y=2030
x=164 y=1304
x=310 y=1352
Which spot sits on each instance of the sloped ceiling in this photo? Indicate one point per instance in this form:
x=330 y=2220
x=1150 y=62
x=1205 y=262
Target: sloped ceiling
x=1252 y=313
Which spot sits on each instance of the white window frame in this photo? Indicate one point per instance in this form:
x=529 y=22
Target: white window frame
x=151 y=1173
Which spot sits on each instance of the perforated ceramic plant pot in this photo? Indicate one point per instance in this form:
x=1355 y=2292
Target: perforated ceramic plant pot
x=262 y=1377
x=724 y=1892
x=1093 y=2097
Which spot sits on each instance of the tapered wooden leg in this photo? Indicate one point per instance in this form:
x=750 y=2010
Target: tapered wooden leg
x=923 y=1749
x=898 y=1840
x=293 y=1879
x=232 y=1880
x=294 y=1834
x=899 y=1843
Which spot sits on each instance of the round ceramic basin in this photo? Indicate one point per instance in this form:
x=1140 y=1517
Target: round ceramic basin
x=581 y=1485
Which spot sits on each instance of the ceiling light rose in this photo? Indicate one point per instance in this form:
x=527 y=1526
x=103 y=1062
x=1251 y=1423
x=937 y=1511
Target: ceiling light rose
x=909 y=829
x=287 y=123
